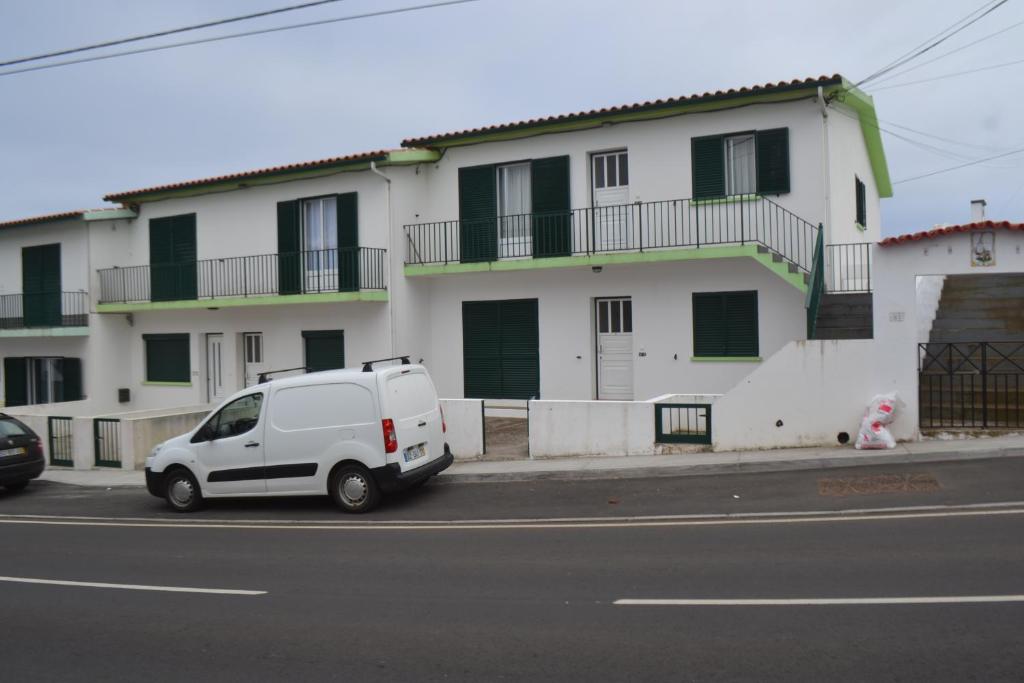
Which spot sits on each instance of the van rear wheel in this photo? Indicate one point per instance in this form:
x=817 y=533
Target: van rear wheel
x=353 y=489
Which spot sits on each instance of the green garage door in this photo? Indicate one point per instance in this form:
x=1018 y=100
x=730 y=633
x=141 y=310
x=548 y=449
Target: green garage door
x=500 y=349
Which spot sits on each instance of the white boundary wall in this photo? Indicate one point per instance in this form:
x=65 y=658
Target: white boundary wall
x=464 y=419
x=565 y=428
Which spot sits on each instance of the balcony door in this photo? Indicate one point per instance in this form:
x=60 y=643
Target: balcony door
x=612 y=211
x=320 y=243
x=514 y=208
x=172 y=258
x=40 y=286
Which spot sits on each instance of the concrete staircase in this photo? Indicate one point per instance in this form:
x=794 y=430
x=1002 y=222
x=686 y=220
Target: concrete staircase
x=845 y=316
x=976 y=308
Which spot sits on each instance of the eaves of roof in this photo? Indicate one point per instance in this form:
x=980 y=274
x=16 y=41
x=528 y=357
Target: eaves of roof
x=46 y=218
x=942 y=230
x=275 y=174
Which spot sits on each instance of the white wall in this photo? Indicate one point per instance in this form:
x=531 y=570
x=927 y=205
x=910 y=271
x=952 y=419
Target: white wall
x=74 y=253
x=895 y=309
x=817 y=389
x=465 y=421
x=571 y=428
x=848 y=158
x=659 y=157
x=929 y=294
x=662 y=322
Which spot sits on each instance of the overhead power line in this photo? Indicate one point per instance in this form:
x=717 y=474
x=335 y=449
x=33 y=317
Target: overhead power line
x=950 y=75
x=937 y=39
x=897 y=74
x=168 y=32
x=213 y=39
x=956 y=168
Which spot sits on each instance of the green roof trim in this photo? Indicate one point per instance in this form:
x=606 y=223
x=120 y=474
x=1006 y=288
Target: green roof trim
x=864 y=105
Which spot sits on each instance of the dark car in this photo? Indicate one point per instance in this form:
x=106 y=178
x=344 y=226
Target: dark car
x=21 y=454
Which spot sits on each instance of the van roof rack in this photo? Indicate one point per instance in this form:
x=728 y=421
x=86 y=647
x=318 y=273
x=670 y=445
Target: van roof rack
x=262 y=377
x=368 y=364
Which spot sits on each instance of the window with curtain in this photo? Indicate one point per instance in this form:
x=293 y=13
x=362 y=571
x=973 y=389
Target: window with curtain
x=740 y=171
x=514 y=201
x=320 y=233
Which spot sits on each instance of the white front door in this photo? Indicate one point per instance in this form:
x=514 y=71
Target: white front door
x=612 y=210
x=252 y=349
x=215 y=368
x=615 y=349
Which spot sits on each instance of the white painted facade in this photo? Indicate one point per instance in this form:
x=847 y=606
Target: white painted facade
x=422 y=313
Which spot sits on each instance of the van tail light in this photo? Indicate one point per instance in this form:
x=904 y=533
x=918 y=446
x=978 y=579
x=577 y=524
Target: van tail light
x=444 y=425
x=390 y=438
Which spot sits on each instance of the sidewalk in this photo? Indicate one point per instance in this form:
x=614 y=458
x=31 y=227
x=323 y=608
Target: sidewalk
x=636 y=466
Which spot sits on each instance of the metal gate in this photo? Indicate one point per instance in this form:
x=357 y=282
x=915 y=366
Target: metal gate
x=682 y=423
x=971 y=385
x=106 y=434
x=58 y=431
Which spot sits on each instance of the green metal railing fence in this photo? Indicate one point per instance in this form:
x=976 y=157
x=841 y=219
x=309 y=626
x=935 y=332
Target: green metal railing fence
x=59 y=435
x=106 y=434
x=816 y=286
x=682 y=423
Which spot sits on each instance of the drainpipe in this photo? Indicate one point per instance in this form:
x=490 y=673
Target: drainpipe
x=825 y=163
x=388 y=282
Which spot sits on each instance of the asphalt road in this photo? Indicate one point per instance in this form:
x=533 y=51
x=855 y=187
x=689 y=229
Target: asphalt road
x=372 y=599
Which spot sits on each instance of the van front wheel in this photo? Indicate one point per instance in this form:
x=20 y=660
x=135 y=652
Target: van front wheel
x=353 y=489
x=182 y=492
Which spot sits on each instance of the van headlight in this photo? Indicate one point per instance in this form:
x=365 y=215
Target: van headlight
x=156 y=449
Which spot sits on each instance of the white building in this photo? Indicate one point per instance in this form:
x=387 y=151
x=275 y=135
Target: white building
x=621 y=253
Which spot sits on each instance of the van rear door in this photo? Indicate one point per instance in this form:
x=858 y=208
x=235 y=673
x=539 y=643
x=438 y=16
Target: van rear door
x=410 y=401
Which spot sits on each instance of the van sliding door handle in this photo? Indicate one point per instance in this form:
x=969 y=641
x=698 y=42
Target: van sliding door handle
x=252 y=444
x=422 y=424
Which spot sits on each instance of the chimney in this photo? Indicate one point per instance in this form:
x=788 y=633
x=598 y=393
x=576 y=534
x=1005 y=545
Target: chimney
x=978 y=210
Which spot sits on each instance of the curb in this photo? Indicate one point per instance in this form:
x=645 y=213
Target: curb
x=675 y=470
x=705 y=469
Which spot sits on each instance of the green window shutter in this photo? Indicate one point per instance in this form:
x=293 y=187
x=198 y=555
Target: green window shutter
x=289 y=246
x=773 y=161
x=709 y=328
x=551 y=224
x=15 y=382
x=741 y=323
x=325 y=350
x=478 y=213
x=71 y=370
x=725 y=324
x=520 y=344
x=862 y=208
x=707 y=160
x=172 y=258
x=481 y=349
x=167 y=358
x=41 y=286
x=348 y=242
x=500 y=349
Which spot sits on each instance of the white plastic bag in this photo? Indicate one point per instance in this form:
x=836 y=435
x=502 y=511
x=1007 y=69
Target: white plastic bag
x=874 y=435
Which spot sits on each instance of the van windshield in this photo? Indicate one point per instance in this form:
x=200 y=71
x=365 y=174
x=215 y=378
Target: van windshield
x=410 y=395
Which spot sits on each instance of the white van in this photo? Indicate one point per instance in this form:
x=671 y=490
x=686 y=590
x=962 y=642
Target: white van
x=350 y=434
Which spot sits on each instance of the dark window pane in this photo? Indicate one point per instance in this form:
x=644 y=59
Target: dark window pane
x=602 y=315
x=623 y=169
x=627 y=315
x=598 y=172
x=616 y=316
x=612 y=182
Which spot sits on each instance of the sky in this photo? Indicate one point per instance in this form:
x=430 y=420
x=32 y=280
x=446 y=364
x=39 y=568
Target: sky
x=70 y=135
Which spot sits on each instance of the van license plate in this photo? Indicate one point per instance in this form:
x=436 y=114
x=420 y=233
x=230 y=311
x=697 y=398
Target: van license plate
x=11 y=451
x=415 y=452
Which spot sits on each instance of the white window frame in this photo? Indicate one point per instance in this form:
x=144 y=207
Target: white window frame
x=320 y=262
x=515 y=236
x=735 y=184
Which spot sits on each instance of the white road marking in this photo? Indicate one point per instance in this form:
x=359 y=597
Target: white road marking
x=603 y=523
x=769 y=602
x=130 y=586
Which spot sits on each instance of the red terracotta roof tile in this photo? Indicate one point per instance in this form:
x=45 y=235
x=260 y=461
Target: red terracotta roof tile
x=426 y=141
x=300 y=166
x=941 y=230
x=41 y=219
